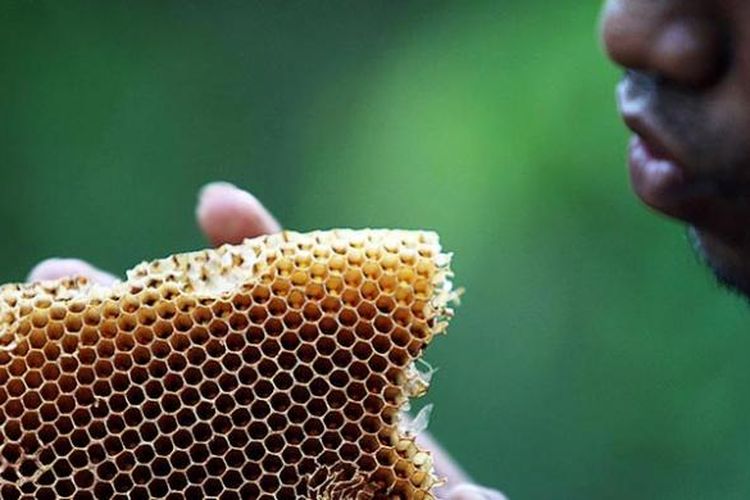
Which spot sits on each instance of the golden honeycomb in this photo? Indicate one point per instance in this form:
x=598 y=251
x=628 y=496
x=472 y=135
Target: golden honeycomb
x=277 y=368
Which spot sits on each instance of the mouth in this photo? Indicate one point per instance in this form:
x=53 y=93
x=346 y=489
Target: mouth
x=663 y=178
x=658 y=179
x=657 y=175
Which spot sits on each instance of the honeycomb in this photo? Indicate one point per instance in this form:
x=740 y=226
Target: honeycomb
x=277 y=368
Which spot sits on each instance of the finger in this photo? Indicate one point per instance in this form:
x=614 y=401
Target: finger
x=227 y=214
x=471 y=492
x=445 y=466
x=52 y=269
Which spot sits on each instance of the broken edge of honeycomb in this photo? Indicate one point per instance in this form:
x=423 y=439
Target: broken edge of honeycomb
x=370 y=300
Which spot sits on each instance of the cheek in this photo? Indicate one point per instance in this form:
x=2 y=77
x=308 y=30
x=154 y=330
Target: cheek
x=730 y=101
x=736 y=16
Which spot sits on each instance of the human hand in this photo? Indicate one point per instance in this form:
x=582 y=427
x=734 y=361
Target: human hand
x=227 y=214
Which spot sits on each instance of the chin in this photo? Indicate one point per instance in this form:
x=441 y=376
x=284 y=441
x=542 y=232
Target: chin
x=729 y=263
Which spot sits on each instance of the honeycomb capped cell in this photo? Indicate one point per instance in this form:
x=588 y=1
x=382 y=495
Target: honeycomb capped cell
x=277 y=368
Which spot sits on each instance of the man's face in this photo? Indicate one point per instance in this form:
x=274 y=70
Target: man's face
x=686 y=96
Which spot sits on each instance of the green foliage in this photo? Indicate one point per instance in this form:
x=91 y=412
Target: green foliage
x=592 y=358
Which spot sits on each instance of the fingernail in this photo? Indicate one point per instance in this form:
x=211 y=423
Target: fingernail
x=471 y=492
x=216 y=185
x=228 y=214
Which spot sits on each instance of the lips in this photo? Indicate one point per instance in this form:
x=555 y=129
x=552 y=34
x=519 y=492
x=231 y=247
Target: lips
x=658 y=181
x=657 y=175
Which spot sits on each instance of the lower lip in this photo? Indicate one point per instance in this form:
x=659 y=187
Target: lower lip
x=657 y=181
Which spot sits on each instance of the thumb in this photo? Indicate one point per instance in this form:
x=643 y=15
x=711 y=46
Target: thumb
x=227 y=214
x=53 y=269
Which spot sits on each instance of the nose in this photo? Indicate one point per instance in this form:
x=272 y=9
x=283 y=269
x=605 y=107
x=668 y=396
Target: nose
x=681 y=41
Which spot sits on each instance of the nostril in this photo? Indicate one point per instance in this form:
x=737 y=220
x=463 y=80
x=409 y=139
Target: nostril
x=689 y=52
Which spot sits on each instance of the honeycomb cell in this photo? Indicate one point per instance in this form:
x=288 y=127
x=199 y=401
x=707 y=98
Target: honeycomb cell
x=276 y=368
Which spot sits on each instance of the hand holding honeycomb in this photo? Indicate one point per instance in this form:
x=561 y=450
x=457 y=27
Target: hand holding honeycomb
x=267 y=369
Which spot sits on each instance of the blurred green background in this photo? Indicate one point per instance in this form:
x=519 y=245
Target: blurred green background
x=593 y=356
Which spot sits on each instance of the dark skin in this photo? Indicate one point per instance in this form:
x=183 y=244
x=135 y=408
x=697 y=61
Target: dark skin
x=686 y=96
